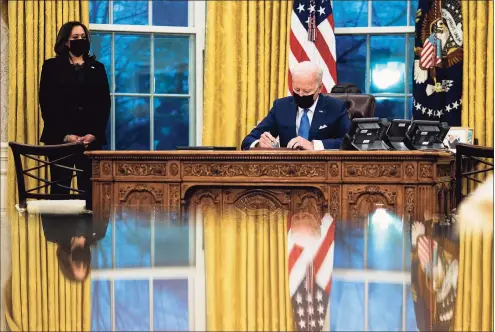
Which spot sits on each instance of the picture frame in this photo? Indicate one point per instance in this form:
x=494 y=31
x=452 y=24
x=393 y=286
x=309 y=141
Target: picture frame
x=458 y=135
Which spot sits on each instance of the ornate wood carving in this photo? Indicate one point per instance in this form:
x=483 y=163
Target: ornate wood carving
x=107 y=168
x=444 y=170
x=256 y=200
x=206 y=193
x=140 y=188
x=353 y=195
x=107 y=200
x=334 y=170
x=253 y=170
x=335 y=201
x=372 y=171
x=174 y=200
x=410 y=171
x=96 y=168
x=426 y=171
x=311 y=201
x=409 y=200
x=141 y=170
x=174 y=169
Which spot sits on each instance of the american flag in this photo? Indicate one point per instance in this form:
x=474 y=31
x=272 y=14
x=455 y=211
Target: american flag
x=431 y=55
x=425 y=252
x=312 y=38
x=310 y=278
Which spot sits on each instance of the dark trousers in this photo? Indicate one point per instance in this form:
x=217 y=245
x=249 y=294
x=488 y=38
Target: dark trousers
x=64 y=176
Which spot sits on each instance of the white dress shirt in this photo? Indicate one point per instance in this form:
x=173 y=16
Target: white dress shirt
x=318 y=145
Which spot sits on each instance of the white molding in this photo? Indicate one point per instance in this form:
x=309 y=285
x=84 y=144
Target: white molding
x=366 y=276
x=374 y=30
x=143 y=29
x=143 y=273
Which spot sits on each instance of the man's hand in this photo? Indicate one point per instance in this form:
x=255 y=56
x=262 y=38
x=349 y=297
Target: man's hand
x=87 y=139
x=266 y=140
x=72 y=138
x=300 y=143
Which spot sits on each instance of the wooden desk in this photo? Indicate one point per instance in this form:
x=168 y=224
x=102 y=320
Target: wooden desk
x=347 y=184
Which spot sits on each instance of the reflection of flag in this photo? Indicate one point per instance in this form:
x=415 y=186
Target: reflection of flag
x=310 y=277
x=425 y=245
x=431 y=55
x=312 y=38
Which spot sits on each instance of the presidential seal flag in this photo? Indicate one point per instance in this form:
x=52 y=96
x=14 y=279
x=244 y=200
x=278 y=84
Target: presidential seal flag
x=437 y=88
x=310 y=249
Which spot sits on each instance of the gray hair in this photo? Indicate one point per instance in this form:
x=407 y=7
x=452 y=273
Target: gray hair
x=306 y=68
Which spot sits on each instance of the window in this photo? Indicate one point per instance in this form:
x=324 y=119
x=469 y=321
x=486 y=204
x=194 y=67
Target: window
x=375 y=51
x=153 y=54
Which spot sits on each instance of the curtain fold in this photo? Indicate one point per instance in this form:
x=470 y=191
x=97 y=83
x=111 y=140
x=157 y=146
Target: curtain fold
x=246 y=66
x=247 y=286
x=40 y=298
x=477 y=85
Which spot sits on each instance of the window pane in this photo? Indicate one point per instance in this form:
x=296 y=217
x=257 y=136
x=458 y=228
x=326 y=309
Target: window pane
x=350 y=13
x=389 y=13
x=387 y=64
x=170 y=13
x=384 y=242
x=351 y=60
x=132 y=123
x=100 y=305
x=101 y=47
x=384 y=307
x=171 y=242
x=132 y=63
x=349 y=246
x=98 y=11
x=130 y=12
x=410 y=313
x=390 y=108
x=132 y=310
x=102 y=254
x=414 y=9
x=347 y=300
x=171 y=123
x=171 y=64
x=170 y=305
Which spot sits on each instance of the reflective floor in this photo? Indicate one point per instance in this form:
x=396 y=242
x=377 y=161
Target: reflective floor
x=147 y=271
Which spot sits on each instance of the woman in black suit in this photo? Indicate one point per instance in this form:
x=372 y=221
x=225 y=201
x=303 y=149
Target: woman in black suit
x=75 y=103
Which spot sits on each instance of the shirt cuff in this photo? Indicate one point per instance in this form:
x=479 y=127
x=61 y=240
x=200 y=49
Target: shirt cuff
x=318 y=145
x=253 y=145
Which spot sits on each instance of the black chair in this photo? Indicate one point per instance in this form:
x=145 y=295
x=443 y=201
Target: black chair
x=469 y=163
x=53 y=154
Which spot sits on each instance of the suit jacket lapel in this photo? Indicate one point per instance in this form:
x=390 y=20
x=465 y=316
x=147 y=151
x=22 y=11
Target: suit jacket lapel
x=318 y=116
x=292 y=118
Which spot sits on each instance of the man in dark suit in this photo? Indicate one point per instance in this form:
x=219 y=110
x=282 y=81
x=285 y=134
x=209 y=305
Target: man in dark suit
x=307 y=120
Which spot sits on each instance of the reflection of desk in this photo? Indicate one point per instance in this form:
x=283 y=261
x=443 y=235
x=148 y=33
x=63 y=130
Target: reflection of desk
x=346 y=184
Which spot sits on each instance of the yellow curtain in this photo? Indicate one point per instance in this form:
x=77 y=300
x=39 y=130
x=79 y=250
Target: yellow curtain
x=39 y=297
x=246 y=66
x=474 y=304
x=477 y=86
x=33 y=26
x=247 y=286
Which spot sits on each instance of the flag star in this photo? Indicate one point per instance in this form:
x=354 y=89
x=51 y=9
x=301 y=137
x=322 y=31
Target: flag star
x=300 y=312
x=298 y=298
x=309 y=298
x=300 y=8
x=321 y=309
x=439 y=113
x=418 y=106
x=312 y=8
x=321 y=10
x=307 y=21
x=430 y=111
x=319 y=296
x=455 y=105
x=311 y=310
x=447 y=108
x=302 y=324
x=312 y=323
x=321 y=322
x=423 y=110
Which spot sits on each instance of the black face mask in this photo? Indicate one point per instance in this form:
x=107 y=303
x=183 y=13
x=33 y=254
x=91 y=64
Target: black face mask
x=304 y=101
x=79 y=47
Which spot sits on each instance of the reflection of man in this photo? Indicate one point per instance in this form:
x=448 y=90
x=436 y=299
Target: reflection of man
x=452 y=141
x=307 y=120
